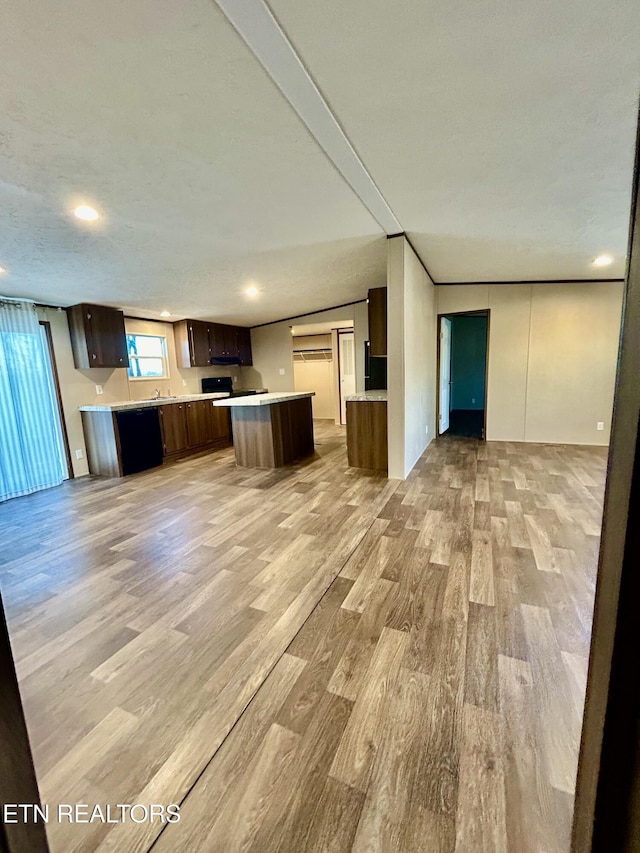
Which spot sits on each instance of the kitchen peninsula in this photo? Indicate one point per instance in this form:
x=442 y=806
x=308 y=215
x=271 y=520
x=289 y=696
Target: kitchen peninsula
x=271 y=430
x=367 y=430
x=134 y=435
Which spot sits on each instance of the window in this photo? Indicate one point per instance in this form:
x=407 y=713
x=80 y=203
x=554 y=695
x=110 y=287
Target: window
x=147 y=357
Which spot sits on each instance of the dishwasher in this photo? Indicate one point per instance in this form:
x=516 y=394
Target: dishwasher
x=140 y=439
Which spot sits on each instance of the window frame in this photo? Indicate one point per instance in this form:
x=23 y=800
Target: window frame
x=134 y=357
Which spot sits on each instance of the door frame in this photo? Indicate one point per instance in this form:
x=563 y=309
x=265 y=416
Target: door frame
x=56 y=382
x=606 y=812
x=344 y=331
x=481 y=312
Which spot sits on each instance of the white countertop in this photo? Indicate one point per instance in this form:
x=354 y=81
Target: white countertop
x=146 y=404
x=265 y=399
x=367 y=397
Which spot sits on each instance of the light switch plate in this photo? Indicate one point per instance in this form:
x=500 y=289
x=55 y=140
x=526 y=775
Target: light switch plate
x=282 y=371
x=600 y=425
x=79 y=454
x=99 y=390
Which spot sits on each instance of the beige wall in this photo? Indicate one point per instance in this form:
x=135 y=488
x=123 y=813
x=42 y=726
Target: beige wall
x=411 y=334
x=273 y=352
x=78 y=387
x=317 y=376
x=552 y=357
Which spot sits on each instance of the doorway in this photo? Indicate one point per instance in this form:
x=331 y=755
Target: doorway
x=35 y=454
x=462 y=374
x=347 y=370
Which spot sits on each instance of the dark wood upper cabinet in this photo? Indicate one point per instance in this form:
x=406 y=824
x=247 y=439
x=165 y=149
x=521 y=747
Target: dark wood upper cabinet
x=244 y=346
x=224 y=341
x=200 y=345
x=192 y=343
x=217 y=340
x=378 y=321
x=98 y=337
x=230 y=341
x=197 y=342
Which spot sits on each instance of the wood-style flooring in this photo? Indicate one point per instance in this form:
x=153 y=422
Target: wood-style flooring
x=313 y=658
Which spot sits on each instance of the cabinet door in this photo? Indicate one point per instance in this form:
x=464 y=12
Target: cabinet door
x=378 y=321
x=98 y=337
x=244 y=346
x=217 y=340
x=219 y=422
x=173 y=420
x=199 y=343
x=107 y=327
x=230 y=341
x=197 y=423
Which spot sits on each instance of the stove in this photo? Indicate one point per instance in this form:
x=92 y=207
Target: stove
x=215 y=384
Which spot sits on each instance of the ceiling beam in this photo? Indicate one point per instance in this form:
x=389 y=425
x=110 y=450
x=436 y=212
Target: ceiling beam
x=257 y=26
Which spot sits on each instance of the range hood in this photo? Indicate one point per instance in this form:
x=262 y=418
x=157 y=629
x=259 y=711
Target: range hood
x=223 y=360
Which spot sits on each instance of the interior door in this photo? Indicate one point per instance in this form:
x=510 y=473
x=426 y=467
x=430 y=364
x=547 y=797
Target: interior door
x=445 y=374
x=347 y=371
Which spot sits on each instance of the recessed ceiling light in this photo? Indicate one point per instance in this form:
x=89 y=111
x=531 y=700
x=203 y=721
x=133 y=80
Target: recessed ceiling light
x=252 y=291
x=2 y=270
x=165 y=313
x=603 y=261
x=89 y=214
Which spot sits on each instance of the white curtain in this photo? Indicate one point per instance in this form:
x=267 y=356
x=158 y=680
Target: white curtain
x=31 y=444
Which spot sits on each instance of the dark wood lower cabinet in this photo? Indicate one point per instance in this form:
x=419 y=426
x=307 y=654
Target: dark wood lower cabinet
x=367 y=434
x=198 y=423
x=219 y=423
x=186 y=428
x=173 y=421
x=191 y=426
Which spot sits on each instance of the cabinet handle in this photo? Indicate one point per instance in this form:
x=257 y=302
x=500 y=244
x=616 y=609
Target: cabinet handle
x=93 y=355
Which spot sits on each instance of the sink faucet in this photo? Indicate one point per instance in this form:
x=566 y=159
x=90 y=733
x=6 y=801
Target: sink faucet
x=157 y=393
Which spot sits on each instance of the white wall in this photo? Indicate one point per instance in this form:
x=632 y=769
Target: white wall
x=552 y=357
x=272 y=350
x=411 y=359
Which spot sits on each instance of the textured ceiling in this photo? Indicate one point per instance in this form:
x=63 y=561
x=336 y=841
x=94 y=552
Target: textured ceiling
x=500 y=135
x=156 y=113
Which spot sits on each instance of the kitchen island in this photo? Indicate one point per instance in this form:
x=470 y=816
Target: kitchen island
x=271 y=430
x=367 y=430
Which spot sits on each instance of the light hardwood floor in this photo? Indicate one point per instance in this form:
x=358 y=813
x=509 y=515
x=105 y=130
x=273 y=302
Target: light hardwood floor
x=314 y=658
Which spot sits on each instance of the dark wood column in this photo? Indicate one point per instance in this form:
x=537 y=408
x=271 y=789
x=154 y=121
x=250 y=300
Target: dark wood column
x=17 y=775
x=607 y=807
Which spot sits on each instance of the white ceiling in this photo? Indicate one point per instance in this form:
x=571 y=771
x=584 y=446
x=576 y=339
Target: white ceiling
x=501 y=137
x=501 y=134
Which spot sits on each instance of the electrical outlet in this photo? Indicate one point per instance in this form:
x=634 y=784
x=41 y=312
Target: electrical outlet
x=184 y=383
x=600 y=425
x=473 y=399
x=426 y=429
x=99 y=390
x=282 y=371
x=79 y=454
